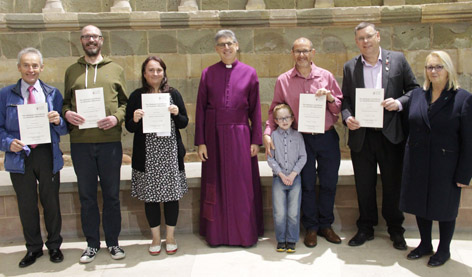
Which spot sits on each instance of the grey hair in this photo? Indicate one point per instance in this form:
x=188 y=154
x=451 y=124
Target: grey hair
x=225 y=34
x=29 y=50
x=364 y=25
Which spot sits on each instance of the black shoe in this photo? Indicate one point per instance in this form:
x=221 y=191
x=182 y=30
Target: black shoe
x=360 y=238
x=291 y=247
x=281 y=247
x=30 y=258
x=398 y=241
x=55 y=255
x=438 y=259
x=418 y=253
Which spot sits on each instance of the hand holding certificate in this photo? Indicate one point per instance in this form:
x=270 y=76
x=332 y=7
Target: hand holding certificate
x=369 y=109
x=34 y=123
x=312 y=112
x=156 y=117
x=91 y=106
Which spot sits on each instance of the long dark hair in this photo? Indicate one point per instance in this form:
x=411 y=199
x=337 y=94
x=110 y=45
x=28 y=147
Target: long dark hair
x=164 y=87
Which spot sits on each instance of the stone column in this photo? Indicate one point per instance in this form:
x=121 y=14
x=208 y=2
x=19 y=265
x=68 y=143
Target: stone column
x=255 y=5
x=121 y=6
x=394 y=2
x=53 y=6
x=188 y=5
x=324 y=3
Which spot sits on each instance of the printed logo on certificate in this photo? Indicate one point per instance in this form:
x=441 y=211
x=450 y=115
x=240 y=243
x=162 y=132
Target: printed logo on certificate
x=34 y=123
x=90 y=105
x=369 y=110
x=312 y=112
x=156 y=117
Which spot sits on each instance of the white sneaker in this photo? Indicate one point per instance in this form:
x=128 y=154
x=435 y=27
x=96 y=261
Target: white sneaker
x=155 y=249
x=116 y=252
x=88 y=255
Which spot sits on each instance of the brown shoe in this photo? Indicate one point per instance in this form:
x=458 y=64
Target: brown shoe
x=310 y=238
x=330 y=235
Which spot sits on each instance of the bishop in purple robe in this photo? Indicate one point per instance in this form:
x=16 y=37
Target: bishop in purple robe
x=228 y=134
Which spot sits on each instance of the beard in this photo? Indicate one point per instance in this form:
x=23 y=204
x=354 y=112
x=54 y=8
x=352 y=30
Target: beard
x=92 y=52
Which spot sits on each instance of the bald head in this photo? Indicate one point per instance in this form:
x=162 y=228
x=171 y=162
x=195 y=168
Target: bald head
x=91 y=28
x=303 y=41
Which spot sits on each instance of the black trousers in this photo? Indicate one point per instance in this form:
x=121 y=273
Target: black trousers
x=377 y=149
x=153 y=213
x=38 y=169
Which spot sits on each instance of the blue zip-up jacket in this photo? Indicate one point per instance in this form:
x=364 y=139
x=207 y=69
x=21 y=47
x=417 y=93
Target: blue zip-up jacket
x=10 y=98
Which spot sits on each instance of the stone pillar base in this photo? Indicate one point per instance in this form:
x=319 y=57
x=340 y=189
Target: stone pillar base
x=121 y=6
x=255 y=5
x=324 y=4
x=394 y=2
x=187 y=8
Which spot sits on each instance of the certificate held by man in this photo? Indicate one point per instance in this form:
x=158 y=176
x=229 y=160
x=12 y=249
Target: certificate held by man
x=34 y=123
x=91 y=106
x=312 y=112
x=156 y=117
x=369 y=109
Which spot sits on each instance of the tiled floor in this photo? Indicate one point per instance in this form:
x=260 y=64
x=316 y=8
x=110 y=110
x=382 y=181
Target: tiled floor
x=195 y=258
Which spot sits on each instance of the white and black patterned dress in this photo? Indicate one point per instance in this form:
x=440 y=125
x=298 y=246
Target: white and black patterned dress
x=162 y=180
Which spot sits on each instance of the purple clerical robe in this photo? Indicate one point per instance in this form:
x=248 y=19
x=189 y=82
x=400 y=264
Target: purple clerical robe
x=231 y=198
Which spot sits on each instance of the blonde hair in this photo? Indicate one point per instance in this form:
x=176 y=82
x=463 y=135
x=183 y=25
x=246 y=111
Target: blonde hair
x=444 y=57
x=280 y=107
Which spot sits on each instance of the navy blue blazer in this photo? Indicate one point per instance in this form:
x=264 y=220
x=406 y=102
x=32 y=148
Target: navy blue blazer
x=438 y=154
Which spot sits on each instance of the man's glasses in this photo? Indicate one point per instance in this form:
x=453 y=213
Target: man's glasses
x=88 y=37
x=284 y=119
x=438 y=68
x=368 y=37
x=224 y=44
x=298 y=52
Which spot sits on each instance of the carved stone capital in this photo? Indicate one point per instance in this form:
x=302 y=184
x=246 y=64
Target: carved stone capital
x=121 y=6
x=53 y=6
x=255 y=5
x=188 y=5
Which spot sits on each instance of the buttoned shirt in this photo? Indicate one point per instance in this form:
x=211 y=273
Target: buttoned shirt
x=289 y=154
x=373 y=73
x=290 y=84
x=38 y=93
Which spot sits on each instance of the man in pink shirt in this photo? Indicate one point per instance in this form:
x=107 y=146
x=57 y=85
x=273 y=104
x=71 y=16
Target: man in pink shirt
x=323 y=155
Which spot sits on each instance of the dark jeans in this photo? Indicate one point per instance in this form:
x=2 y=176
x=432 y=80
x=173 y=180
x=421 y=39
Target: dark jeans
x=323 y=159
x=93 y=160
x=377 y=149
x=38 y=167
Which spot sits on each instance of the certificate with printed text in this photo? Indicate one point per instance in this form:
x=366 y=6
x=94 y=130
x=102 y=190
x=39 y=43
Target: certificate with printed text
x=369 y=111
x=312 y=112
x=156 y=117
x=34 y=123
x=91 y=105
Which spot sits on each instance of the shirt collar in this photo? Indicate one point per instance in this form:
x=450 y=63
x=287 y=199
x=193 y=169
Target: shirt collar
x=379 y=61
x=310 y=76
x=25 y=85
x=281 y=131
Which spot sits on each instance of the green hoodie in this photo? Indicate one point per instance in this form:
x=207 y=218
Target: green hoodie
x=111 y=77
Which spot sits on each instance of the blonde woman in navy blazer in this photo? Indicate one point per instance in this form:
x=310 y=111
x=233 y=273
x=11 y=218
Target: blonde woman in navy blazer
x=438 y=155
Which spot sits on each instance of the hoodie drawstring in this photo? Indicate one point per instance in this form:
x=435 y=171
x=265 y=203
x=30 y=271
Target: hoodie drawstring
x=86 y=75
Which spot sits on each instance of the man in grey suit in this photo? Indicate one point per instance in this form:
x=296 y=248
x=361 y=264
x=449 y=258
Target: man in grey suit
x=377 y=68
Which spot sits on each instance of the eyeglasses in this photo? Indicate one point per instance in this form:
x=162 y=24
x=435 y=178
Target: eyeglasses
x=88 y=37
x=224 y=44
x=368 y=37
x=298 y=52
x=438 y=68
x=284 y=119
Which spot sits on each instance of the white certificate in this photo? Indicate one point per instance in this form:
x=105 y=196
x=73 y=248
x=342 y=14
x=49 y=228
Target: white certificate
x=91 y=106
x=156 y=117
x=312 y=112
x=369 y=111
x=34 y=123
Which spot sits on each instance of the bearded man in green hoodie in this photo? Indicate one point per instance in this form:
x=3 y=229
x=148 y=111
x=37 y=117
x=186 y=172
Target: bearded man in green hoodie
x=96 y=139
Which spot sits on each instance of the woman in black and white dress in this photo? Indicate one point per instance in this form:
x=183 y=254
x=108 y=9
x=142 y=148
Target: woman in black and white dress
x=158 y=174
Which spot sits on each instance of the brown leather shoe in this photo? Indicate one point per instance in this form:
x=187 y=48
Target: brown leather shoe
x=330 y=235
x=310 y=238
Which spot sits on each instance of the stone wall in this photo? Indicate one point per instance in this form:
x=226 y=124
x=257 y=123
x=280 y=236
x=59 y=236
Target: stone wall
x=36 y=6
x=185 y=40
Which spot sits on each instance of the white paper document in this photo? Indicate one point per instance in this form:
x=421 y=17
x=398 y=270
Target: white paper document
x=91 y=105
x=369 y=111
x=34 y=123
x=156 y=117
x=312 y=112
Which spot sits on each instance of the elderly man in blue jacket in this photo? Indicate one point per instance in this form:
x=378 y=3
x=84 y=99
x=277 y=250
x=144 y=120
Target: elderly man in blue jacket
x=30 y=165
